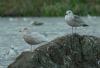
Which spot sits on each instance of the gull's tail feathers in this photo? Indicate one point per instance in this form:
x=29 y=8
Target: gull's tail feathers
x=85 y=25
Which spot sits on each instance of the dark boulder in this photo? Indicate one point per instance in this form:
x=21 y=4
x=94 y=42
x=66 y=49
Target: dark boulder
x=70 y=51
x=36 y=23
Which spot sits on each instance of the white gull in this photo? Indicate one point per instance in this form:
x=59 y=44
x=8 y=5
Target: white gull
x=74 y=20
x=33 y=38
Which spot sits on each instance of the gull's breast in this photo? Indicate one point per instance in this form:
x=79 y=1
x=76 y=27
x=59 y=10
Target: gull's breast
x=72 y=22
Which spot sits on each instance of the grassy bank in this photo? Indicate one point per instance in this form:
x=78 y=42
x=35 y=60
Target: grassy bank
x=48 y=7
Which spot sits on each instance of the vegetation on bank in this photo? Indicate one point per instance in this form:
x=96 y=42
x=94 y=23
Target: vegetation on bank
x=48 y=7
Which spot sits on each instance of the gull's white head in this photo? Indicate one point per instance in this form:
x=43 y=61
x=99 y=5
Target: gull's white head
x=69 y=15
x=25 y=30
x=12 y=46
x=69 y=12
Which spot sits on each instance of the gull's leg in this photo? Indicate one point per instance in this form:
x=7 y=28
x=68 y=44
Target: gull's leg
x=72 y=40
x=31 y=48
x=75 y=29
x=72 y=30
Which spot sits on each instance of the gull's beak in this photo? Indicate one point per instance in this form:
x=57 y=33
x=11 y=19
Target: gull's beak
x=66 y=14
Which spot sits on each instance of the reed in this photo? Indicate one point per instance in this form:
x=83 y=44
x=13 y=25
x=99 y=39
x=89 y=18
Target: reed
x=48 y=7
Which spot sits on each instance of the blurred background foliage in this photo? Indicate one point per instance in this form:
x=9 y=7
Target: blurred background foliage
x=48 y=7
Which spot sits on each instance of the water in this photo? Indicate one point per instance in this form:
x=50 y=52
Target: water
x=52 y=28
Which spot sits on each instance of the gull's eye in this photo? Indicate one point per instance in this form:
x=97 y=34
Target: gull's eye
x=69 y=12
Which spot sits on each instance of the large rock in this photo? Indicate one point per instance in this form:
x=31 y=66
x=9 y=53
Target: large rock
x=37 y=23
x=70 y=51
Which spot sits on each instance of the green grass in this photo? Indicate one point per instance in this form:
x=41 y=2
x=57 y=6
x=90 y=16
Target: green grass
x=48 y=7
